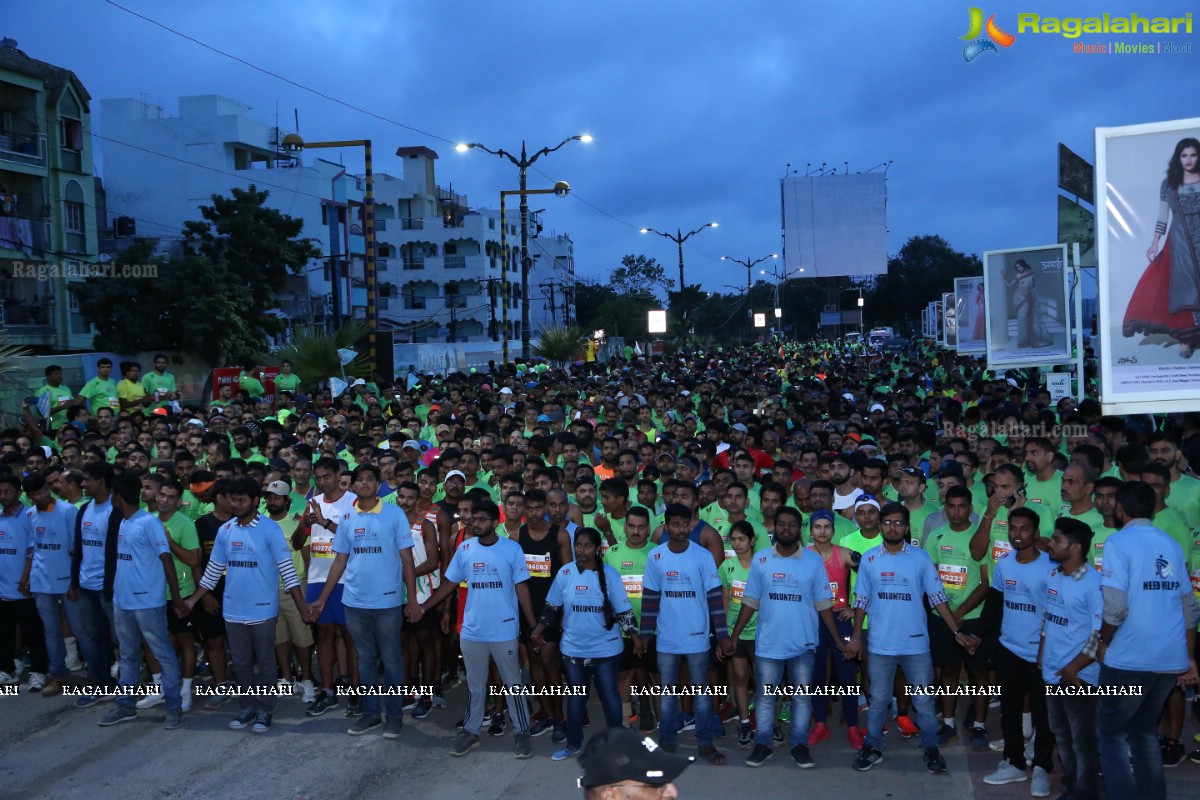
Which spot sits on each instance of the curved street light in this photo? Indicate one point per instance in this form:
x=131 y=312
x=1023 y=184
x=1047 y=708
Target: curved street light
x=749 y=265
x=679 y=237
x=523 y=162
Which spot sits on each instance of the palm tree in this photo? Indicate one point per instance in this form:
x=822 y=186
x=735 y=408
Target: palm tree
x=314 y=353
x=560 y=345
x=12 y=357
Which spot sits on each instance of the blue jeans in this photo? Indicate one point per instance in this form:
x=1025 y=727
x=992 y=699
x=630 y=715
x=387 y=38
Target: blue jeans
x=94 y=634
x=668 y=720
x=607 y=673
x=56 y=650
x=768 y=672
x=376 y=635
x=1129 y=729
x=918 y=670
x=149 y=624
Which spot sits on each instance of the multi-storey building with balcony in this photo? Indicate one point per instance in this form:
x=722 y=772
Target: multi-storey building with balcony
x=440 y=261
x=48 y=226
x=159 y=169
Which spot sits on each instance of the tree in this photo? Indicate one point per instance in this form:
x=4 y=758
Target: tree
x=12 y=360
x=216 y=300
x=639 y=275
x=314 y=353
x=925 y=267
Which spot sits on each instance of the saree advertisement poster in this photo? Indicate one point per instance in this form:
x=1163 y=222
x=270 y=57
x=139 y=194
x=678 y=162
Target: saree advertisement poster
x=949 y=322
x=1026 y=291
x=1148 y=239
x=970 y=306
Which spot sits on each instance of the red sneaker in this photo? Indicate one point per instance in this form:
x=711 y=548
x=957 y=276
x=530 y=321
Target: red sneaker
x=856 y=738
x=908 y=728
x=818 y=734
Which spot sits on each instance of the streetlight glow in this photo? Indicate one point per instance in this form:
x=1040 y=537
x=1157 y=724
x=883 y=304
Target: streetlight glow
x=645 y=230
x=462 y=147
x=585 y=138
x=713 y=224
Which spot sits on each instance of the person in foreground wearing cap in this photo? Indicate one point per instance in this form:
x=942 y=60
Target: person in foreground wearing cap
x=619 y=764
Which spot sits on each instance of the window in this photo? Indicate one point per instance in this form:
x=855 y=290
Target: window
x=72 y=134
x=73 y=216
x=450 y=249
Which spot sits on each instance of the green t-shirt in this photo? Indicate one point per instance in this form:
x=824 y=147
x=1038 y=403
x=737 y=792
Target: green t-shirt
x=723 y=525
x=860 y=544
x=842 y=528
x=159 y=386
x=59 y=397
x=1045 y=498
x=733 y=577
x=251 y=386
x=183 y=533
x=288 y=525
x=1185 y=498
x=1096 y=554
x=287 y=383
x=959 y=573
x=631 y=564
x=1092 y=518
x=101 y=394
x=1171 y=523
x=916 y=522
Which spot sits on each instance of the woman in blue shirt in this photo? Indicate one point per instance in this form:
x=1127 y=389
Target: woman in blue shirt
x=590 y=598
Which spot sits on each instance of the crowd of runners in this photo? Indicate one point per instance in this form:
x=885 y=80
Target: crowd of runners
x=756 y=547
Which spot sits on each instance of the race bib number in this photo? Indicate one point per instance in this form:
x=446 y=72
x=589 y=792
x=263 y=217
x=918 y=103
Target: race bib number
x=633 y=585
x=999 y=548
x=953 y=577
x=538 y=566
x=321 y=548
x=736 y=588
x=1196 y=581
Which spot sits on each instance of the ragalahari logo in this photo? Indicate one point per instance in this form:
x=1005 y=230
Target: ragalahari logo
x=995 y=36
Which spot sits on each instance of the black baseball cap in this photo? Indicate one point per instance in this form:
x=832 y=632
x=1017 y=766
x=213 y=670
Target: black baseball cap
x=619 y=754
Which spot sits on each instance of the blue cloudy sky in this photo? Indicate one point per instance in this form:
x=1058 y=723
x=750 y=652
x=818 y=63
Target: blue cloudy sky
x=696 y=106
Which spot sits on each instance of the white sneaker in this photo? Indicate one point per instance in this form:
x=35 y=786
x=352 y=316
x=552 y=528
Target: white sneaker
x=37 y=682
x=152 y=700
x=297 y=687
x=1040 y=785
x=8 y=679
x=310 y=694
x=996 y=745
x=284 y=685
x=1006 y=773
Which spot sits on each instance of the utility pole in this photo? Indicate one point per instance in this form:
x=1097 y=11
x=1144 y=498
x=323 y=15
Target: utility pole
x=492 y=330
x=548 y=292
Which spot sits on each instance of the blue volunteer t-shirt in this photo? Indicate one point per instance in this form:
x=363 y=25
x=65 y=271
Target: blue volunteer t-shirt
x=785 y=590
x=15 y=542
x=582 y=602
x=890 y=589
x=94 y=530
x=140 y=582
x=52 y=531
x=373 y=540
x=1074 y=609
x=492 y=573
x=1147 y=565
x=1024 y=589
x=251 y=555
x=684 y=580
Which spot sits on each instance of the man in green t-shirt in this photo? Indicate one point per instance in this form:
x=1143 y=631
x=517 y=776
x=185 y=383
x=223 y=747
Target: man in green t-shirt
x=101 y=391
x=54 y=399
x=249 y=384
x=628 y=558
x=185 y=554
x=160 y=385
x=1078 y=484
x=130 y=392
x=965 y=581
x=1184 y=496
x=1043 y=483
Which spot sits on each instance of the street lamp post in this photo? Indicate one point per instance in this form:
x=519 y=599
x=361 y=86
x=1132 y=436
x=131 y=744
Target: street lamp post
x=561 y=189
x=749 y=265
x=523 y=163
x=294 y=144
x=679 y=237
x=780 y=277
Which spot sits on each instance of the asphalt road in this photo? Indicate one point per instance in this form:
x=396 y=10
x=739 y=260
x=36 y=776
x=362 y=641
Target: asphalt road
x=50 y=750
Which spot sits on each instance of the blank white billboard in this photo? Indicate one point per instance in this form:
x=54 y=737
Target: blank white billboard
x=835 y=225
